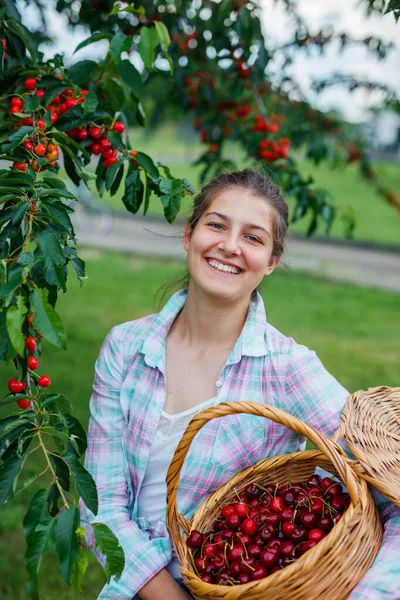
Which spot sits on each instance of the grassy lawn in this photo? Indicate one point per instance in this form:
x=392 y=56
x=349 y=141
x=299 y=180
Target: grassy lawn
x=376 y=220
x=354 y=330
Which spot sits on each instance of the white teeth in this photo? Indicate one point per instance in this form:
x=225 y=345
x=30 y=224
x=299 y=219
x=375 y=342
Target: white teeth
x=221 y=267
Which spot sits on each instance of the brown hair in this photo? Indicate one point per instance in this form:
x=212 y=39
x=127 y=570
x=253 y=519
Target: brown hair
x=256 y=183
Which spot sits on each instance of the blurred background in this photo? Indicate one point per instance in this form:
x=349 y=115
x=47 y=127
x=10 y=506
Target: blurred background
x=337 y=64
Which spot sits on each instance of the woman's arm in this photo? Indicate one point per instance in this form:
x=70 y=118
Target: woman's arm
x=162 y=587
x=318 y=399
x=104 y=459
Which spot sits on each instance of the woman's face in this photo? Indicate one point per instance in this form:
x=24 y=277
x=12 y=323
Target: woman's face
x=235 y=231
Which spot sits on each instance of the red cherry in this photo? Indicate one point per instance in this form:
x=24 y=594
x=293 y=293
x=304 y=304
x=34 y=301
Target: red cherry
x=110 y=161
x=62 y=108
x=267 y=533
x=15 y=386
x=41 y=124
x=287 y=514
x=317 y=506
x=276 y=504
x=241 y=509
x=288 y=528
x=81 y=134
x=24 y=403
x=325 y=524
x=316 y=534
x=338 y=503
x=235 y=568
x=314 y=480
x=269 y=557
x=44 y=381
x=40 y=93
x=209 y=550
x=334 y=490
x=249 y=526
x=230 y=509
x=33 y=363
x=236 y=551
x=70 y=103
x=247 y=564
x=207 y=578
x=96 y=133
x=274 y=544
x=308 y=520
x=287 y=548
x=244 y=578
x=299 y=534
x=200 y=563
x=218 y=560
x=195 y=539
x=30 y=84
x=288 y=497
x=227 y=534
x=15 y=101
x=27 y=121
x=107 y=153
x=259 y=573
x=96 y=149
x=233 y=521
x=30 y=344
x=255 y=550
x=67 y=93
x=56 y=100
x=39 y=149
x=105 y=143
x=326 y=482
x=119 y=127
x=28 y=145
x=253 y=491
x=20 y=166
x=54 y=116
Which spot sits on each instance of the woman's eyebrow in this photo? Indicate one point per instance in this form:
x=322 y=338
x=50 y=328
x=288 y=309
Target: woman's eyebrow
x=248 y=225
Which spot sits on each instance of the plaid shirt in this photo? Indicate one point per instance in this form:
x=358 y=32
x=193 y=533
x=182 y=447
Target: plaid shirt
x=129 y=394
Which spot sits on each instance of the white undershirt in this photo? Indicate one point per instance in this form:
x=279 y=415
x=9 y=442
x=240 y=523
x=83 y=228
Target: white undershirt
x=152 y=495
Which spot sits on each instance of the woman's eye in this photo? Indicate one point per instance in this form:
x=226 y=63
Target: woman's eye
x=253 y=239
x=217 y=225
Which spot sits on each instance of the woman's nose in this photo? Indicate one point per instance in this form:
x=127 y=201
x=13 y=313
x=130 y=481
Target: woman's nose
x=230 y=243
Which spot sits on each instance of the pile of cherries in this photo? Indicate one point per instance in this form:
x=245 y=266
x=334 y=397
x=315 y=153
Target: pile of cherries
x=265 y=528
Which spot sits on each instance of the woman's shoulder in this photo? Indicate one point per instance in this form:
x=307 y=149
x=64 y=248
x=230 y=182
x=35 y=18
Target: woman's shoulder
x=132 y=332
x=279 y=344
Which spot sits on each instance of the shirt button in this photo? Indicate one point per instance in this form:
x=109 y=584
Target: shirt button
x=219 y=383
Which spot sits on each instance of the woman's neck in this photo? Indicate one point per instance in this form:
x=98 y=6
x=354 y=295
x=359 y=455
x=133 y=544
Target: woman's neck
x=206 y=324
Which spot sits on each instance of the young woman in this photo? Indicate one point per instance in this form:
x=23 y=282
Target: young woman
x=210 y=343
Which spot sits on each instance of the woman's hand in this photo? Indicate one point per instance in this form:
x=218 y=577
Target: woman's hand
x=162 y=587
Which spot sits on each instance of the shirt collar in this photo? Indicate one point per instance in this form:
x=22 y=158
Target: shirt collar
x=251 y=342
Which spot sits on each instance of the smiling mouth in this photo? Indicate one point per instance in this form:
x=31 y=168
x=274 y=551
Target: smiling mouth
x=224 y=270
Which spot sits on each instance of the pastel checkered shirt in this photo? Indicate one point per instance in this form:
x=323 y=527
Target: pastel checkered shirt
x=129 y=394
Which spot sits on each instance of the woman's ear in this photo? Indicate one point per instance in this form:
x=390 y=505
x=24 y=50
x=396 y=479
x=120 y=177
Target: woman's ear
x=273 y=263
x=186 y=236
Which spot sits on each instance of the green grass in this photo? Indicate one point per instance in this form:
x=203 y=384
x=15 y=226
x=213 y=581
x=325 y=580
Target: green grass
x=377 y=221
x=354 y=330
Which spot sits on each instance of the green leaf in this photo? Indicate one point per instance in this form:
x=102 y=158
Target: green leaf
x=148 y=165
x=70 y=168
x=79 y=267
x=107 y=544
x=62 y=471
x=67 y=546
x=53 y=259
x=148 y=43
x=111 y=174
x=90 y=103
x=32 y=103
x=24 y=34
x=59 y=213
x=9 y=473
x=171 y=196
x=63 y=403
x=36 y=512
x=11 y=437
x=77 y=436
x=117 y=180
x=95 y=37
x=84 y=482
x=46 y=320
x=6 y=348
x=130 y=8
x=53 y=91
x=16 y=278
x=40 y=541
x=78 y=571
x=119 y=43
x=147 y=193
x=131 y=76
x=14 y=320
x=132 y=184
x=163 y=34
x=20 y=212
x=82 y=71
x=17 y=137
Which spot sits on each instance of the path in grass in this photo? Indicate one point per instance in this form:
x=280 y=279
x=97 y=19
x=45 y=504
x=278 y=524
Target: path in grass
x=354 y=330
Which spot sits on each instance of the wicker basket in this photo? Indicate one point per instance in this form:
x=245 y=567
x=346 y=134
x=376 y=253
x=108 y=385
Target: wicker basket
x=333 y=567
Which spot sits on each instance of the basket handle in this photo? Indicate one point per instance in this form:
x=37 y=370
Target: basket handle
x=328 y=447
